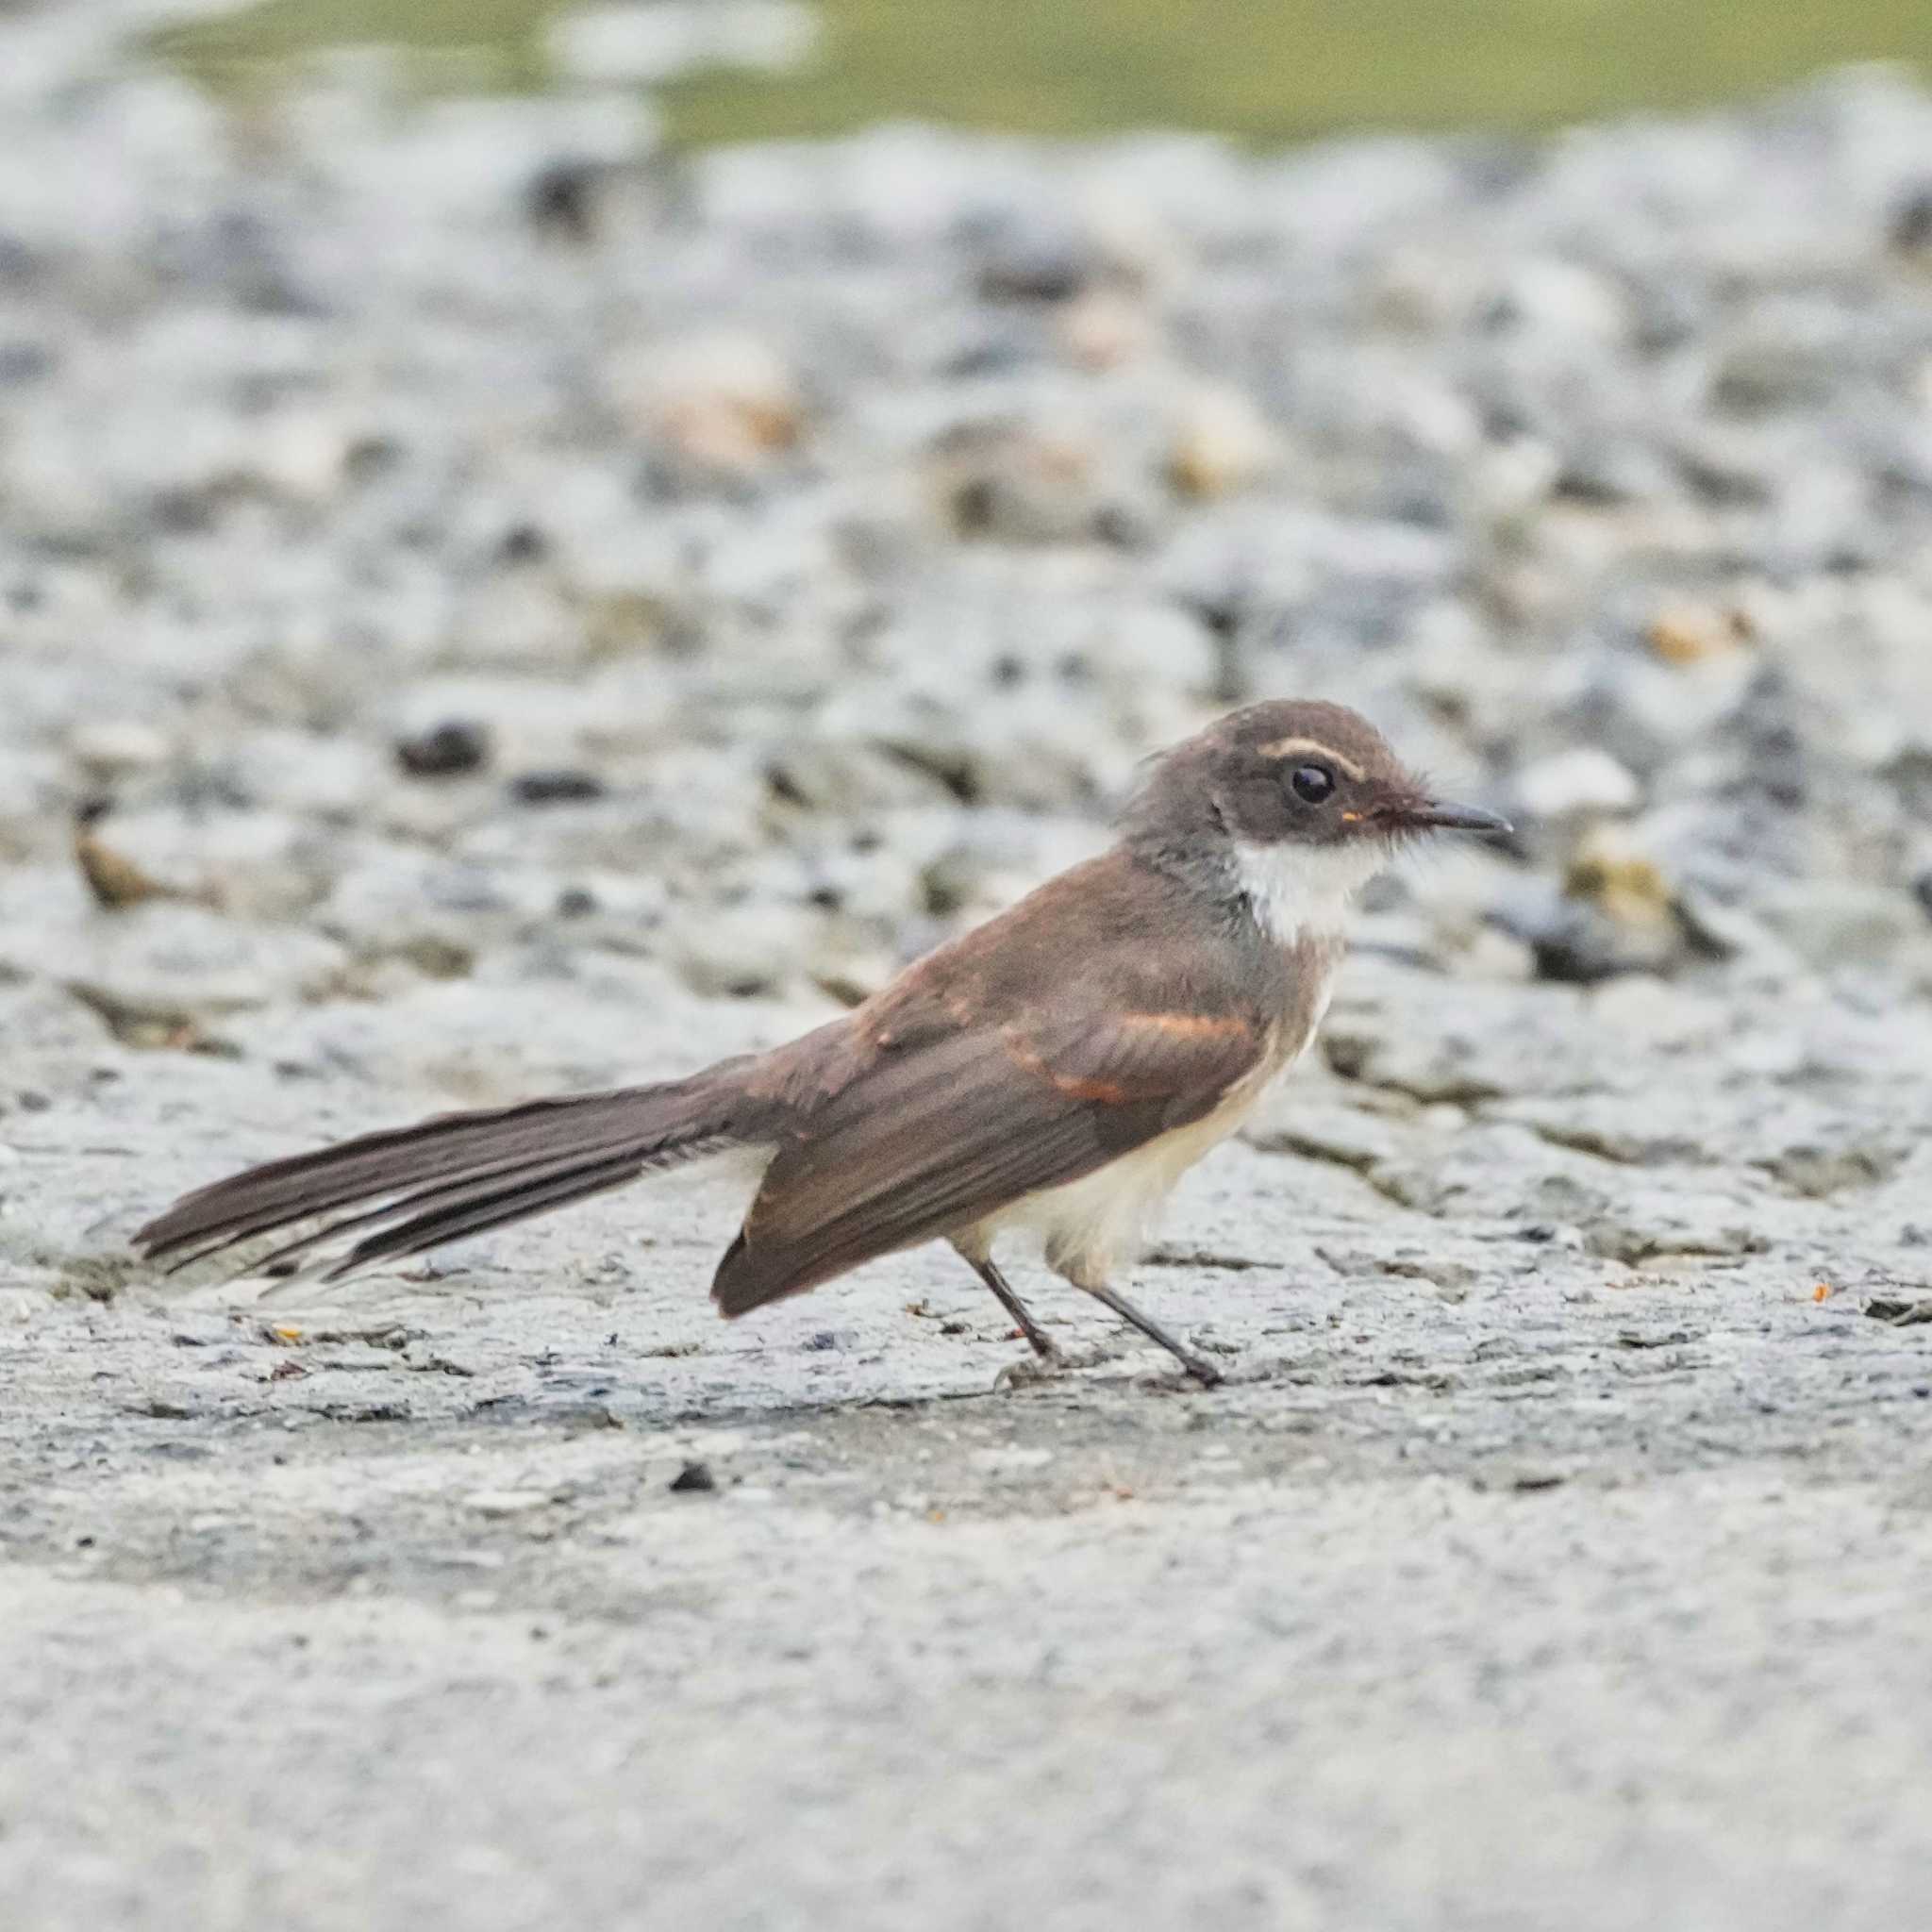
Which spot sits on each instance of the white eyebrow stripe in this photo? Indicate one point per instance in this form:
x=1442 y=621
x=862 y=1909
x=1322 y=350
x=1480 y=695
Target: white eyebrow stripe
x=1284 y=747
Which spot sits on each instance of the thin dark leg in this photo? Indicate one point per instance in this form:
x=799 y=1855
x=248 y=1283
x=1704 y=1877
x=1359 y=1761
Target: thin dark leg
x=1043 y=1344
x=1204 y=1372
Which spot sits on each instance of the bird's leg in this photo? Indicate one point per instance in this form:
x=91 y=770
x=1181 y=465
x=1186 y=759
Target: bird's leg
x=1043 y=1344
x=1204 y=1372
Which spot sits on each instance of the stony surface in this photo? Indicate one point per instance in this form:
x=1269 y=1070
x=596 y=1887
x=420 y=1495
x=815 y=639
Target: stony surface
x=487 y=606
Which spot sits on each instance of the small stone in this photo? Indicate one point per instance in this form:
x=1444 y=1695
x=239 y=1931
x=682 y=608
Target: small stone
x=1105 y=327
x=25 y=362
x=113 y=878
x=1616 y=913
x=111 y=748
x=1582 y=781
x=1583 y=949
x=1786 y=356
x=726 y=403
x=305 y=455
x=563 y=198
x=1222 y=444
x=523 y=543
x=1545 y=298
x=1687 y=634
x=445 y=751
x=1606 y=870
x=1909 y=230
x=502 y=1503
x=1035 y=263
x=556 y=787
x=736 y=952
x=1833 y=923
x=693 y=1479
x=1900 y=1311
x=1024 y=483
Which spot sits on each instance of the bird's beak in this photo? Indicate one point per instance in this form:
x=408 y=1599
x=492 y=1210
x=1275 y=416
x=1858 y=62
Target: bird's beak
x=1441 y=815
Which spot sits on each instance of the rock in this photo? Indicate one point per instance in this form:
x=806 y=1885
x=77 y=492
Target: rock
x=161 y=966
x=112 y=749
x=1314 y=1127
x=562 y=197
x=727 y=403
x=1582 y=782
x=1615 y=914
x=1909 y=230
x=1022 y=483
x=1842 y=923
x=1545 y=298
x=693 y=1479
x=1606 y=871
x=1653 y=1226
x=1900 y=1312
x=1686 y=634
x=113 y=878
x=1027 y=259
x=736 y=952
x=315 y=777
x=1578 y=945
x=1221 y=443
x=496 y=1505
x=1780 y=356
x=556 y=787
x=451 y=749
x=1105 y=327
x=246 y=862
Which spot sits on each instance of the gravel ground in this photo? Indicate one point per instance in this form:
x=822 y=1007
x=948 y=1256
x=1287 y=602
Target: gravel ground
x=487 y=604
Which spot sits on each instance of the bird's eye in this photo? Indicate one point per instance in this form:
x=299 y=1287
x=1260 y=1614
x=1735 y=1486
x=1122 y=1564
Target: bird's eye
x=1312 y=783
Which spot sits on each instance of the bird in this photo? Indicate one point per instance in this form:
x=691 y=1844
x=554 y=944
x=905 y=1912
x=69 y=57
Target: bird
x=1052 y=1072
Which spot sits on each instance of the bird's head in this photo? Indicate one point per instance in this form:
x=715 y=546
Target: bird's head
x=1301 y=803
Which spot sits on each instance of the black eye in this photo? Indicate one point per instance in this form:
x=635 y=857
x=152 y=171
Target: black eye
x=1312 y=783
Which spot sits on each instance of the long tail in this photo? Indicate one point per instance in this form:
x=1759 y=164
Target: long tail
x=415 y=1187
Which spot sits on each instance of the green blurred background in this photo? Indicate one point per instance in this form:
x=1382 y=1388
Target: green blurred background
x=1261 y=72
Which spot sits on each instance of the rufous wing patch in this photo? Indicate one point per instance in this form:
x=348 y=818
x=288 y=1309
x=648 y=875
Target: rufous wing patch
x=1132 y=1056
x=1190 y=1025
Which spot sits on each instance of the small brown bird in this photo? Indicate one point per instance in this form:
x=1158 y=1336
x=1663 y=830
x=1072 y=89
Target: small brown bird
x=1055 y=1070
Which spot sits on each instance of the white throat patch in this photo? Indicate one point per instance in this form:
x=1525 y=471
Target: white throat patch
x=1304 y=889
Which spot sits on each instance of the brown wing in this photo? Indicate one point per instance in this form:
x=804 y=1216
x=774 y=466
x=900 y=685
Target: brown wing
x=937 y=1133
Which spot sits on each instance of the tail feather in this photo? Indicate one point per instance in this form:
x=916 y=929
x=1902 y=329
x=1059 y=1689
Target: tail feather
x=425 y=1207
x=416 y=1188
x=418 y=1234
x=276 y=1213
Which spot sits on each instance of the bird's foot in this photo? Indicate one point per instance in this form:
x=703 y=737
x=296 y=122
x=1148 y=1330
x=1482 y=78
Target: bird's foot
x=1185 y=1369
x=1048 y=1352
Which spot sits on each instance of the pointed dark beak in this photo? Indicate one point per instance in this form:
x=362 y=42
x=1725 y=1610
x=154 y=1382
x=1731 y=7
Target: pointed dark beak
x=1440 y=815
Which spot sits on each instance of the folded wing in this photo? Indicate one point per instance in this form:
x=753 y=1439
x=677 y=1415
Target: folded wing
x=929 y=1139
